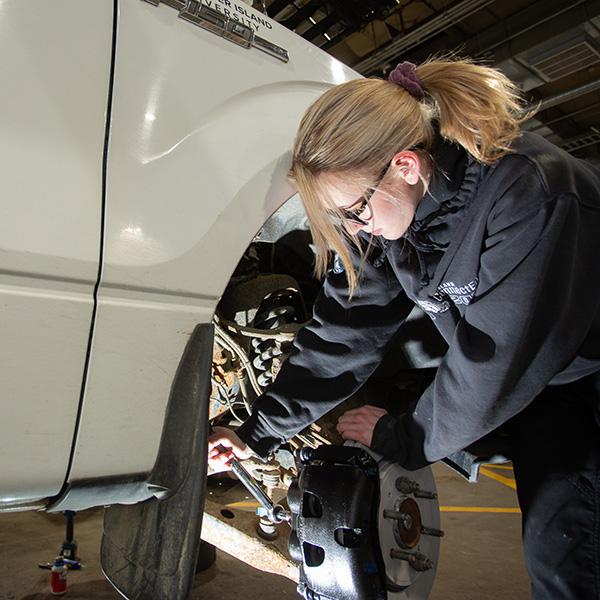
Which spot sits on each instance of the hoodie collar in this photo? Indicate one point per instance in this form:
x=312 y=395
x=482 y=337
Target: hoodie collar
x=449 y=166
x=453 y=183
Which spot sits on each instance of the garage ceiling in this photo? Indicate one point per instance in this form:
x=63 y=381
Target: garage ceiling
x=550 y=48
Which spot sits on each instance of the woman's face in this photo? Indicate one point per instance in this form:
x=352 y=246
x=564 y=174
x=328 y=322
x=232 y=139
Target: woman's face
x=389 y=208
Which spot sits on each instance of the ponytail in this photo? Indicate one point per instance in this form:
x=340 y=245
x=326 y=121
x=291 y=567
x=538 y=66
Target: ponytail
x=477 y=107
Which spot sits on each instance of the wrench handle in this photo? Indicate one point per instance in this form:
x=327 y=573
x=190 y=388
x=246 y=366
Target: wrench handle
x=251 y=485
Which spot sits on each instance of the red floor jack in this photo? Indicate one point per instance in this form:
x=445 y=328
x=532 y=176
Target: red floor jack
x=66 y=560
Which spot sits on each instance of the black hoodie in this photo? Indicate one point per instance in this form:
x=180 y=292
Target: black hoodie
x=506 y=261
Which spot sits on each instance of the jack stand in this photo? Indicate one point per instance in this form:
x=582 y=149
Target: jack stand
x=67 y=553
x=69 y=546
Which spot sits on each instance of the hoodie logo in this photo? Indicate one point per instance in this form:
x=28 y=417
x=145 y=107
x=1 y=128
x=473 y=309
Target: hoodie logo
x=461 y=295
x=433 y=308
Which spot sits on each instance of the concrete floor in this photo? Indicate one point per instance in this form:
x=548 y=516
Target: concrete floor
x=481 y=555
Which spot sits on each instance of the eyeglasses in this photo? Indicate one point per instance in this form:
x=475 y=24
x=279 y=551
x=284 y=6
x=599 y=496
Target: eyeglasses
x=352 y=214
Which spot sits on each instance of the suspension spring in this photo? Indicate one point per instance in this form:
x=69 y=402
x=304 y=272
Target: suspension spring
x=264 y=353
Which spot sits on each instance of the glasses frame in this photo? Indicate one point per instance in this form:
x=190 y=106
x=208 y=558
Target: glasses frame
x=353 y=216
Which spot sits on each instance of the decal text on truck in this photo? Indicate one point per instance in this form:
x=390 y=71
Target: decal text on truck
x=228 y=20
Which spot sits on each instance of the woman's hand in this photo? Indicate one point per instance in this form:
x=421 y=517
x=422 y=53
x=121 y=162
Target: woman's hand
x=358 y=424
x=223 y=445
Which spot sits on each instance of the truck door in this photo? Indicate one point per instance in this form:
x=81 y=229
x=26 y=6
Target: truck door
x=54 y=66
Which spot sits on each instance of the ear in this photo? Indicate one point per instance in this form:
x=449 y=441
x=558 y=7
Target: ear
x=407 y=164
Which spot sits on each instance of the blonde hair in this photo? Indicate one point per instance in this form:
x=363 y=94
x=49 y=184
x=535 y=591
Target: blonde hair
x=354 y=129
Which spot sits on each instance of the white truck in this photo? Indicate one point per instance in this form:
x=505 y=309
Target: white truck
x=144 y=153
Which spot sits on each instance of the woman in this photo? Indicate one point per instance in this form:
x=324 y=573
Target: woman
x=429 y=194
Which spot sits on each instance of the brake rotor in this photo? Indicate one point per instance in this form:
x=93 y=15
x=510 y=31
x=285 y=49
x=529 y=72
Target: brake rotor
x=409 y=534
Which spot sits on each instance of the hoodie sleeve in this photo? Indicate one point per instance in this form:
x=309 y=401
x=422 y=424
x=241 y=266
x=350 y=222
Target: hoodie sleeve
x=332 y=356
x=535 y=303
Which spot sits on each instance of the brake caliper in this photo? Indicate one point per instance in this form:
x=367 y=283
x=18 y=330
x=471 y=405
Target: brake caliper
x=357 y=526
x=334 y=519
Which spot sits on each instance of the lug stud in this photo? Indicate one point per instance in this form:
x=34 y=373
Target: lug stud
x=418 y=561
x=404 y=518
x=407 y=486
x=432 y=531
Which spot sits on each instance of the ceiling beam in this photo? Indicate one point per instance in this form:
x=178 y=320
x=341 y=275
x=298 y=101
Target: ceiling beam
x=302 y=14
x=517 y=33
x=563 y=97
x=537 y=23
x=321 y=27
x=276 y=7
x=431 y=27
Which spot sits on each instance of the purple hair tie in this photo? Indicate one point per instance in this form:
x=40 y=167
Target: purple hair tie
x=405 y=76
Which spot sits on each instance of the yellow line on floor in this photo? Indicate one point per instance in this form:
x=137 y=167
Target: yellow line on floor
x=500 y=478
x=503 y=467
x=472 y=509
x=244 y=504
x=479 y=509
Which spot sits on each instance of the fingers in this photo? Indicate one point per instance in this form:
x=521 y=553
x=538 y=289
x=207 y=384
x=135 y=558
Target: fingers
x=219 y=443
x=220 y=451
x=357 y=435
x=365 y=415
x=358 y=424
x=220 y=436
x=219 y=458
x=220 y=463
x=224 y=445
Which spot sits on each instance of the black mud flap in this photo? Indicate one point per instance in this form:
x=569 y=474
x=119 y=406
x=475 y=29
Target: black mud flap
x=149 y=550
